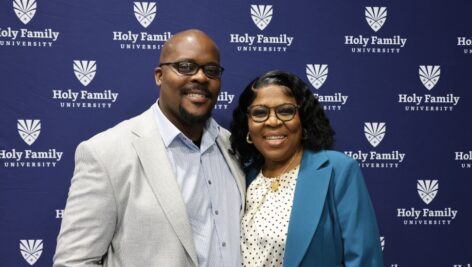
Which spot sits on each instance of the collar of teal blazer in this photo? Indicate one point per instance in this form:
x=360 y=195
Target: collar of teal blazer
x=308 y=202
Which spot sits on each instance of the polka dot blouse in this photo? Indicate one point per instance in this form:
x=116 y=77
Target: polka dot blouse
x=264 y=225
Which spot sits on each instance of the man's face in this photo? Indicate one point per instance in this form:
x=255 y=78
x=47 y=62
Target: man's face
x=187 y=100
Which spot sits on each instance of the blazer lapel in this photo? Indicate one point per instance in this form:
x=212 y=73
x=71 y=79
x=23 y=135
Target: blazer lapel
x=235 y=170
x=158 y=172
x=309 y=199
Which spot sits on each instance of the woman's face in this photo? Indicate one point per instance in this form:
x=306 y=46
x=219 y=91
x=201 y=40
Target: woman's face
x=276 y=140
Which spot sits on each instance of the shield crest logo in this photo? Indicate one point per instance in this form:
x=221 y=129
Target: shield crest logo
x=25 y=10
x=29 y=130
x=317 y=74
x=31 y=250
x=261 y=15
x=375 y=132
x=429 y=75
x=85 y=70
x=145 y=12
x=427 y=189
x=376 y=17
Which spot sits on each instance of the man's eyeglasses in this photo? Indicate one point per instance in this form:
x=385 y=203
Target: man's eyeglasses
x=261 y=113
x=212 y=71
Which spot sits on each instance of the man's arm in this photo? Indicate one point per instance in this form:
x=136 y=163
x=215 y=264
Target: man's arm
x=90 y=215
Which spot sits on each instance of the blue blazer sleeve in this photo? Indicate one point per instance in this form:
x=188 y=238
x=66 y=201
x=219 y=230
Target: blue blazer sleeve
x=356 y=217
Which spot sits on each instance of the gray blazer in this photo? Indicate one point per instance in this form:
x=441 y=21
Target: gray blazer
x=124 y=206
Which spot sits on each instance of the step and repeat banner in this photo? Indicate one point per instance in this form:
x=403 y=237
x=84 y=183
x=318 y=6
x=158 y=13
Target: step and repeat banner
x=395 y=78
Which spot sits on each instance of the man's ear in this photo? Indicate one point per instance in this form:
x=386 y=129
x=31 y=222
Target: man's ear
x=158 y=76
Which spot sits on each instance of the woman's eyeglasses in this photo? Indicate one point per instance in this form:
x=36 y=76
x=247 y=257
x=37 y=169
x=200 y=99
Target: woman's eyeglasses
x=283 y=112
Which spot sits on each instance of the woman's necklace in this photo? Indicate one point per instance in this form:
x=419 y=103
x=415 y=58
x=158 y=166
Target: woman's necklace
x=275 y=184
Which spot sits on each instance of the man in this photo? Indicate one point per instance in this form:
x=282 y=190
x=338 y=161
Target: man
x=159 y=189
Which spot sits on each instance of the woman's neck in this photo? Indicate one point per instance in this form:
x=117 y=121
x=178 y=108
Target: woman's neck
x=277 y=168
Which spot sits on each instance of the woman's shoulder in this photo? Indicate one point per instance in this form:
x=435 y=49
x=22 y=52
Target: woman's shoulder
x=335 y=157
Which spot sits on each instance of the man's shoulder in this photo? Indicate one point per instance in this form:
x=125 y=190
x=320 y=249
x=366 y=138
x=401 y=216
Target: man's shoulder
x=118 y=131
x=224 y=133
x=121 y=132
x=223 y=136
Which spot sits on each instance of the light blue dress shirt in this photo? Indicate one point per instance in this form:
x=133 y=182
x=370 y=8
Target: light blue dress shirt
x=209 y=191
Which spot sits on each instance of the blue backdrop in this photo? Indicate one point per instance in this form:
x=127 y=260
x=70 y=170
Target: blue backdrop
x=393 y=76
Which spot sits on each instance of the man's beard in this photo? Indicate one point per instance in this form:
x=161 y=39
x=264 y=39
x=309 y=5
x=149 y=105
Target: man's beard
x=191 y=119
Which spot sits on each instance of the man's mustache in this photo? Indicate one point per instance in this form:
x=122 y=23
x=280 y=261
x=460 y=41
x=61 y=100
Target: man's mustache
x=197 y=88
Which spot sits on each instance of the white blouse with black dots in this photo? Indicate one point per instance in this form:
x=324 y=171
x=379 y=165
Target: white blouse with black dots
x=265 y=223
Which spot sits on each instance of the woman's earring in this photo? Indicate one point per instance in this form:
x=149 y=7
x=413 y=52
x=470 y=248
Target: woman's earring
x=248 y=138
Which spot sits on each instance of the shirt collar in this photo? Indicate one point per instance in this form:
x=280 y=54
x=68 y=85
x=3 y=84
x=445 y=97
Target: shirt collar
x=169 y=132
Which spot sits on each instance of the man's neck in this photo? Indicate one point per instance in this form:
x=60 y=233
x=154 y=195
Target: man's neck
x=194 y=132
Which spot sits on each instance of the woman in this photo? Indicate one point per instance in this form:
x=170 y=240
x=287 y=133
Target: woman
x=306 y=205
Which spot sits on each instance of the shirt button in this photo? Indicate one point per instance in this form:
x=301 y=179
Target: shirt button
x=209 y=181
x=216 y=212
x=223 y=244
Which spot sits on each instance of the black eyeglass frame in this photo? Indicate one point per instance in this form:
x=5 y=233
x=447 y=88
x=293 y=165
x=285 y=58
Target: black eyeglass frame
x=248 y=112
x=175 y=66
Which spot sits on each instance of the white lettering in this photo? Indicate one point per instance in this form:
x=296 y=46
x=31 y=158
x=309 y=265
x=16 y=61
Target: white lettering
x=463 y=156
x=59 y=214
x=462 y=41
x=246 y=38
x=69 y=94
x=13 y=154
x=404 y=98
x=8 y=32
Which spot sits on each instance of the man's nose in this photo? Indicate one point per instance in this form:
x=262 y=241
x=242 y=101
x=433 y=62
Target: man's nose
x=200 y=75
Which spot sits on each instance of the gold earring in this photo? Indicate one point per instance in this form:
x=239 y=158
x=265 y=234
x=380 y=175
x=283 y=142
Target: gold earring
x=248 y=138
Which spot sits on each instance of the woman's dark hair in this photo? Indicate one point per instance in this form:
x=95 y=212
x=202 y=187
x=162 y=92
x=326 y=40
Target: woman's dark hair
x=317 y=131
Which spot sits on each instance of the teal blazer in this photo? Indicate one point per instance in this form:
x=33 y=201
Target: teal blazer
x=332 y=222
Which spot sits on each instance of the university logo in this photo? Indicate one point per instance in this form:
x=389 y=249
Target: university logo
x=25 y=10
x=382 y=242
x=427 y=189
x=85 y=70
x=429 y=75
x=31 y=250
x=317 y=74
x=28 y=158
x=145 y=12
x=374 y=132
x=375 y=44
x=376 y=17
x=261 y=15
x=29 y=130
x=261 y=43
x=425 y=216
